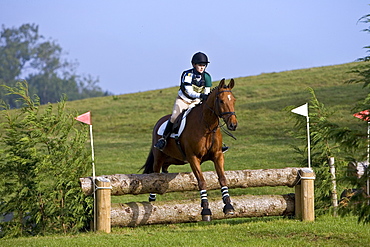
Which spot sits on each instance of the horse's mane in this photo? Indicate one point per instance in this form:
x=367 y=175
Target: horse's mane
x=218 y=88
x=211 y=92
x=213 y=89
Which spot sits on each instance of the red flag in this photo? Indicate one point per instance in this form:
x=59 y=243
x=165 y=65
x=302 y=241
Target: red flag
x=85 y=118
x=364 y=115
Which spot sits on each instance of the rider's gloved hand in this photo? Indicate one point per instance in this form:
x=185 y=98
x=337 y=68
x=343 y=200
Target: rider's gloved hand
x=203 y=96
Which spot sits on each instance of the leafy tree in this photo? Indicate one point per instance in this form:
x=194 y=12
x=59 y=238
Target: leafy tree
x=327 y=140
x=359 y=203
x=363 y=69
x=16 y=47
x=42 y=157
x=25 y=53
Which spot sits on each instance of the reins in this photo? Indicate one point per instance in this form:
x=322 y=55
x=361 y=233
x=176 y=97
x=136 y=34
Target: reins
x=227 y=132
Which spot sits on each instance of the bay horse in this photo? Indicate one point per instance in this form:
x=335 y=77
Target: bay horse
x=201 y=140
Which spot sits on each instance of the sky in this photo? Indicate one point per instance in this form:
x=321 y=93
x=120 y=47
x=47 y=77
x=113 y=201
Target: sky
x=134 y=46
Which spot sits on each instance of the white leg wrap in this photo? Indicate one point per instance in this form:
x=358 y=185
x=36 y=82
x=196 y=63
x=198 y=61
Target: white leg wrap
x=203 y=195
x=225 y=191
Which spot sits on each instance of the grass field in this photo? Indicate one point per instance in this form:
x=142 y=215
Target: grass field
x=122 y=128
x=275 y=231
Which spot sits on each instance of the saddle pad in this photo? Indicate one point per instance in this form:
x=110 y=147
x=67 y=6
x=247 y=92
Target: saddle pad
x=181 y=128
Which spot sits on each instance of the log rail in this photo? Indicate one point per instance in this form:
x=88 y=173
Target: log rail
x=132 y=214
x=135 y=184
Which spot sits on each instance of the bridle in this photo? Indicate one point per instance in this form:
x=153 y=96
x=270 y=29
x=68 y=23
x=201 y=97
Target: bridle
x=217 y=101
x=221 y=114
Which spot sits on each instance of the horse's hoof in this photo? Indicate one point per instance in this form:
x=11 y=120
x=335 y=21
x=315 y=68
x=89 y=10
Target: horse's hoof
x=228 y=209
x=206 y=214
x=231 y=212
x=206 y=217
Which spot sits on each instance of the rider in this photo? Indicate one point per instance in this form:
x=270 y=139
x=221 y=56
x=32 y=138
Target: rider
x=195 y=86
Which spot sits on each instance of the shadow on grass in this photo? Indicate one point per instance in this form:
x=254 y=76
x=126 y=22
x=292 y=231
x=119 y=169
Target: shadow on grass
x=240 y=221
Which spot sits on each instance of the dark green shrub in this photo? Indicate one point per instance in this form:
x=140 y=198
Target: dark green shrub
x=43 y=155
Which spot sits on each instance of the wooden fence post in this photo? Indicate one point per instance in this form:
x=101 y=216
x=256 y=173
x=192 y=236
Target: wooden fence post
x=307 y=194
x=103 y=205
x=298 y=201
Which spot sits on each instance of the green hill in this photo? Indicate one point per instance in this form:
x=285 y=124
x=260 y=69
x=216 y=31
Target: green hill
x=122 y=124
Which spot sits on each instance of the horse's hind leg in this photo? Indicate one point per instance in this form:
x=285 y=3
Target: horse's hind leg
x=158 y=162
x=152 y=197
x=165 y=167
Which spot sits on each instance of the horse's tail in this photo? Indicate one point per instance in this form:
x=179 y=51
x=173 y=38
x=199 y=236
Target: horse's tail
x=148 y=166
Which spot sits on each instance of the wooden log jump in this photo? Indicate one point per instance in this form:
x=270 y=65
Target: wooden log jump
x=161 y=183
x=145 y=213
x=132 y=214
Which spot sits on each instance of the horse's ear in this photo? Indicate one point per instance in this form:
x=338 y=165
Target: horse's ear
x=222 y=83
x=232 y=83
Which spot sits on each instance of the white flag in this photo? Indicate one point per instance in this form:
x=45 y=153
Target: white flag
x=301 y=110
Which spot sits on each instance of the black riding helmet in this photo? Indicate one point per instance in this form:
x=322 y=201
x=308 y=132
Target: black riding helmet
x=199 y=58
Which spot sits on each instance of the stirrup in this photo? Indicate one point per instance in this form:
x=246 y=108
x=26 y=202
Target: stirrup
x=161 y=143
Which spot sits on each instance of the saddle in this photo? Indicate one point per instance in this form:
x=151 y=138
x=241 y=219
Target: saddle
x=178 y=125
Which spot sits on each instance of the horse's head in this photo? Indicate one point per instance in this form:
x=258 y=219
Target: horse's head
x=225 y=103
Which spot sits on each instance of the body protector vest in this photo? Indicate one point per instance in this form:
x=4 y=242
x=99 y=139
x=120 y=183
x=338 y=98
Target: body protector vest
x=193 y=84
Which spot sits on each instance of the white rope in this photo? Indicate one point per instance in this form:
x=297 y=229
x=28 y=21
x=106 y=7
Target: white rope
x=101 y=179
x=305 y=170
x=103 y=188
x=308 y=178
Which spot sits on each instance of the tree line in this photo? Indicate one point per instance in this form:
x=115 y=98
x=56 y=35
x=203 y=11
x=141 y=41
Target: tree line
x=27 y=55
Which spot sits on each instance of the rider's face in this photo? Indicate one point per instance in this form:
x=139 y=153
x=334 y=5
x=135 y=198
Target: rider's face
x=200 y=67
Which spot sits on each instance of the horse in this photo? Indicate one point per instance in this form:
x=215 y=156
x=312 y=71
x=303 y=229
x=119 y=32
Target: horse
x=201 y=140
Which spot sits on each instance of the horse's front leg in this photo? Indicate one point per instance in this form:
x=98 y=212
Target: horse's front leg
x=219 y=166
x=206 y=211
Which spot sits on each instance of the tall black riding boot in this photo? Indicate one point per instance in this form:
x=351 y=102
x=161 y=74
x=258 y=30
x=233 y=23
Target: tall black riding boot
x=161 y=143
